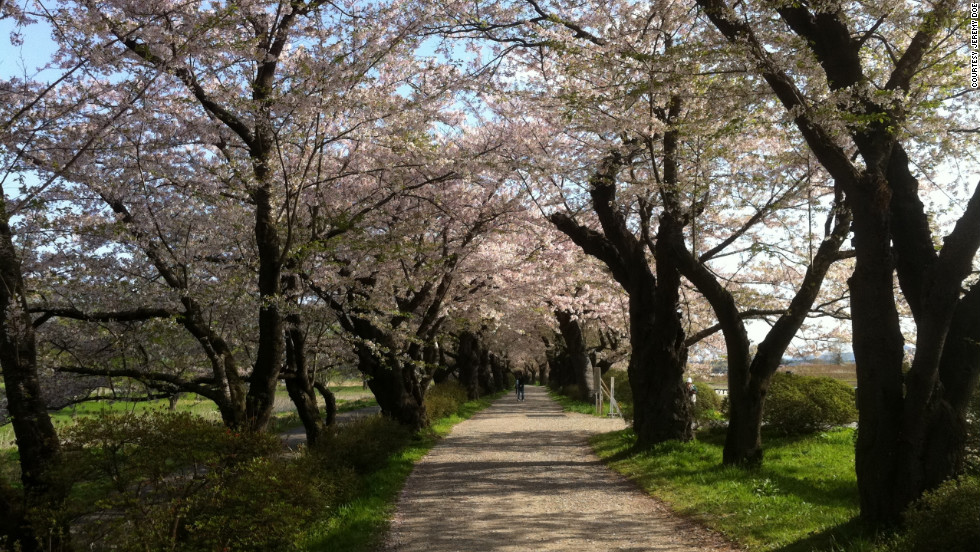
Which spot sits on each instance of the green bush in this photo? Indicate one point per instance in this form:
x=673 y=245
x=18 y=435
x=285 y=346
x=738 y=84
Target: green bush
x=444 y=399
x=572 y=390
x=263 y=504
x=800 y=404
x=972 y=460
x=174 y=481
x=707 y=407
x=946 y=519
x=363 y=445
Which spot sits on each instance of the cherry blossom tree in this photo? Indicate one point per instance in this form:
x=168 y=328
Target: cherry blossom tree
x=879 y=94
x=279 y=126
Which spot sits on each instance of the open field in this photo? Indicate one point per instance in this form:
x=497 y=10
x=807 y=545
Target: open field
x=844 y=372
x=348 y=394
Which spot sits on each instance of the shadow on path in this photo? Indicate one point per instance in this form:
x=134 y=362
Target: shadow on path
x=521 y=476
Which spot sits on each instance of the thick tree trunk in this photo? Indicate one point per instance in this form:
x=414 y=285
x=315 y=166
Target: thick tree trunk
x=579 y=363
x=261 y=395
x=443 y=368
x=878 y=351
x=467 y=363
x=959 y=372
x=484 y=371
x=497 y=368
x=37 y=441
x=656 y=372
x=669 y=415
x=396 y=388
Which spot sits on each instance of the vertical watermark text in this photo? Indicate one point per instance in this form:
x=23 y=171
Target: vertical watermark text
x=975 y=44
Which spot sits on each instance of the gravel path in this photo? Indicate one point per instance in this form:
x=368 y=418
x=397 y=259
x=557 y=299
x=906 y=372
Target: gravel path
x=521 y=476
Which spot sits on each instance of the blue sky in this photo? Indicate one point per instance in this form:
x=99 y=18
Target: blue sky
x=36 y=50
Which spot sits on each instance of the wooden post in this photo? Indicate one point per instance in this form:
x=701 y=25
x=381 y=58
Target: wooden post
x=612 y=394
x=597 y=380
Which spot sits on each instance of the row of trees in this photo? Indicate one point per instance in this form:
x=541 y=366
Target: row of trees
x=213 y=198
x=855 y=110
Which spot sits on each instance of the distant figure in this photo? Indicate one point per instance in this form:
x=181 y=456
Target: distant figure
x=519 y=386
x=692 y=391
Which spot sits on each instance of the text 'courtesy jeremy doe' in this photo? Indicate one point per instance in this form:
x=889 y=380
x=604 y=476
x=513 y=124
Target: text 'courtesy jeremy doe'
x=975 y=44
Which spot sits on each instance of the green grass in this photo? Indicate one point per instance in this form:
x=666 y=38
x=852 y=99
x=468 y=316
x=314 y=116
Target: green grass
x=803 y=498
x=348 y=389
x=360 y=525
x=569 y=404
x=65 y=416
x=350 y=397
x=355 y=404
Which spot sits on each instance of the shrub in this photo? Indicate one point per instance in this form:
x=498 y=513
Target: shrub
x=707 y=407
x=800 y=404
x=947 y=518
x=972 y=460
x=262 y=504
x=572 y=390
x=444 y=399
x=176 y=481
x=363 y=445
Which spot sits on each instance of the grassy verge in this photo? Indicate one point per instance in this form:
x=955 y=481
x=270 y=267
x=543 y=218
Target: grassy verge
x=355 y=404
x=803 y=498
x=360 y=525
x=569 y=404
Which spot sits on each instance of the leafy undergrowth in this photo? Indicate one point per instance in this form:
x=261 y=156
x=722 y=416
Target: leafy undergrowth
x=360 y=524
x=803 y=498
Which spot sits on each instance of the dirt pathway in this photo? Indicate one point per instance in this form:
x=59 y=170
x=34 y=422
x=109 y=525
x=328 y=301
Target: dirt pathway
x=521 y=476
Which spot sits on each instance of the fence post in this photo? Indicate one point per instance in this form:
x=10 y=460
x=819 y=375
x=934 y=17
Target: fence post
x=597 y=383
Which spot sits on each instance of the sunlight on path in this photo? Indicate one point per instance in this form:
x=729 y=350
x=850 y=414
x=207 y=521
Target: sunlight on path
x=520 y=476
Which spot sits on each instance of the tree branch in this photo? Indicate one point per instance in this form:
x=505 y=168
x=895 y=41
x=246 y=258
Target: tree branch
x=134 y=315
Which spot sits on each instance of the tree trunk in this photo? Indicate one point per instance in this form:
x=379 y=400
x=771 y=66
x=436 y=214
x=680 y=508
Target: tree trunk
x=261 y=395
x=37 y=441
x=579 y=363
x=662 y=409
x=484 y=372
x=397 y=389
x=467 y=363
x=497 y=370
x=878 y=352
x=541 y=374
x=330 y=403
x=959 y=374
x=668 y=414
x=748 y=380
x=298 y=382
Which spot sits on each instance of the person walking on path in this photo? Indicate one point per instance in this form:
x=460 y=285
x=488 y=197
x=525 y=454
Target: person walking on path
x=524 y=478
x=519 y=386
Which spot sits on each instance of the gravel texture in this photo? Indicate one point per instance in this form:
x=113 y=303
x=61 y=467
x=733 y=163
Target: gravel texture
x=521 y=476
